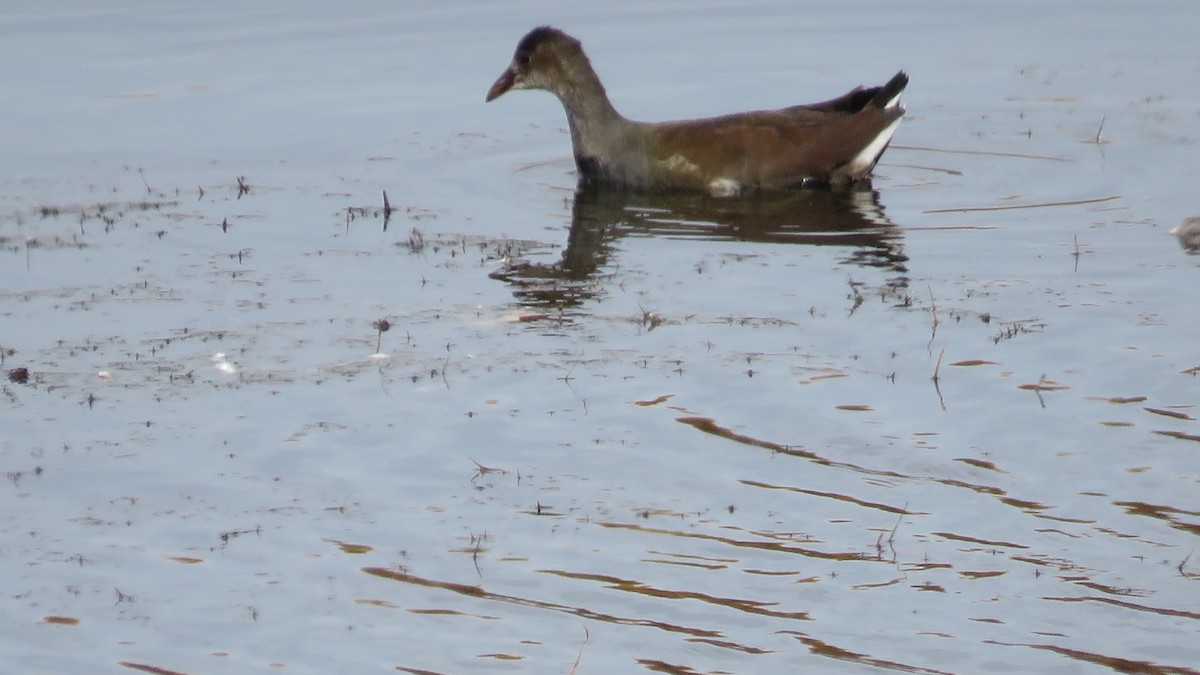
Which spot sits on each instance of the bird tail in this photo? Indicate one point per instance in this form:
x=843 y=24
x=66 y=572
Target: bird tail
x=888 y=95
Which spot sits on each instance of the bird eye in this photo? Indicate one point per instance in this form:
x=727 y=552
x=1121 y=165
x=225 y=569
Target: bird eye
x=522 y=59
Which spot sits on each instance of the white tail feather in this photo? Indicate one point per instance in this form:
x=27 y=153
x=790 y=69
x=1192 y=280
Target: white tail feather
x=865 y=160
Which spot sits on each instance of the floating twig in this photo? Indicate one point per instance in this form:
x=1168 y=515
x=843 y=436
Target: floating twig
x=985 y=153
x=482 y=470
x=381 y=326
x=1183 y=563
x=566 y=379
x=476 y=549
x=586 y=636
x=1041 y=205
x=937 y=379
x=921 y=167
x=855 y=295
x=892 y=536
x=891 y=540
x=650 y=320
x=387 y=211
x=932 y=310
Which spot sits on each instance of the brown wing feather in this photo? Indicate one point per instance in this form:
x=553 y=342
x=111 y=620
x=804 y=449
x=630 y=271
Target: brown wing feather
x=771 y=148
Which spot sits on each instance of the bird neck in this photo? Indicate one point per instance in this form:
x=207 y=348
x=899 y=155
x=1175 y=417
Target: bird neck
x=598 y=132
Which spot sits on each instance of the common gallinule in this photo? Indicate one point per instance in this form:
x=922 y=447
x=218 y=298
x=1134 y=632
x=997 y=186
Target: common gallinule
x=835 y=142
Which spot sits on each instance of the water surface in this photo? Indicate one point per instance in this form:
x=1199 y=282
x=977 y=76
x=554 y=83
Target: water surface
x=947 y=425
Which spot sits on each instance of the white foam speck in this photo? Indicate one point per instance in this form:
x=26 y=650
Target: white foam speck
x=724 y=187
x=222 y=365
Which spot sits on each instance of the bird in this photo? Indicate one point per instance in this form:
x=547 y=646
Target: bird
x=832 y=143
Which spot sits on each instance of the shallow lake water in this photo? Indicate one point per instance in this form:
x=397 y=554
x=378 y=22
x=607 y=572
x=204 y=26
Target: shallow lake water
x=254 y=421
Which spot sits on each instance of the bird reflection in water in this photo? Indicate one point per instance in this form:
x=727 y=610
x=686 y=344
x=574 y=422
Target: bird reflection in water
x=849 y=219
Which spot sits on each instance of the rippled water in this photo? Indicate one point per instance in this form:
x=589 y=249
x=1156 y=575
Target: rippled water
x=948 y=425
